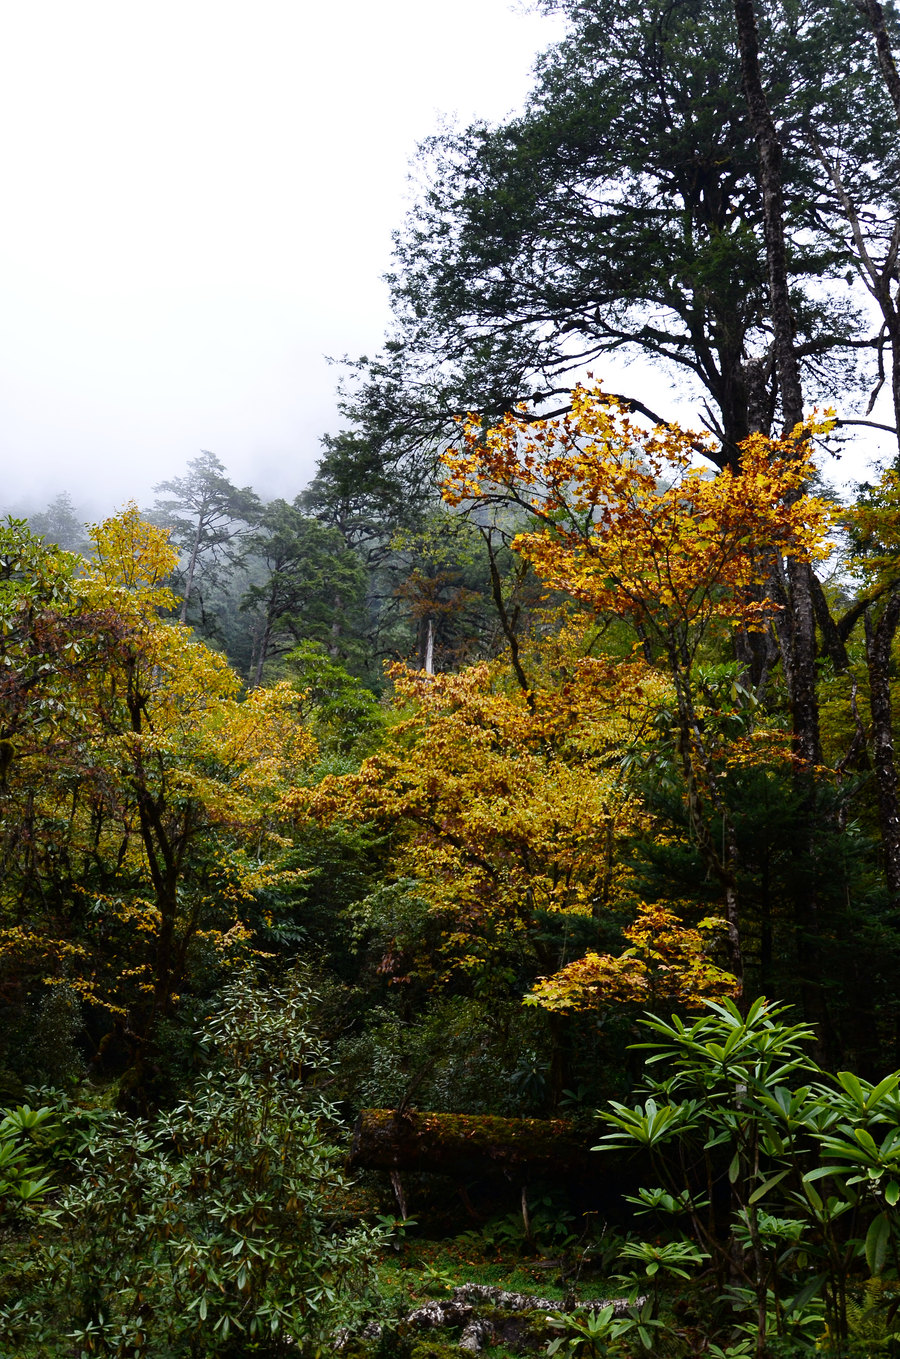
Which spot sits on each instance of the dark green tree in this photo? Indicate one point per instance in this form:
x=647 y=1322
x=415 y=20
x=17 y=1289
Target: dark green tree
x=623 y=213
x=61 y=524
x=206 y=516
x=306 y=585
x=365 y=492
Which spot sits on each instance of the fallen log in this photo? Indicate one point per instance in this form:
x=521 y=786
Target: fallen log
x=466 y=1144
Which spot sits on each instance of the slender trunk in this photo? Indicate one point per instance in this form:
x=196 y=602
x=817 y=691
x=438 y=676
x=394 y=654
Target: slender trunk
x=874 y=15
x=878 y=658
x=800 y=640
x=507 y=622
x=262 y=652
x=757 y=375
x=802 y=677
x=732 y=399
x=189 y=575
x=770 y=159
x=804 y=696
x=334 y=640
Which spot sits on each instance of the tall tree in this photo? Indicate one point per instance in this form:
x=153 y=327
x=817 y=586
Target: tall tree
x=40 y=625
x=630 y=527
x=865 y=209
x=365 y=492
x=622 y=212
x=136 y=777
x=310 y=586
x=60 y=523
x=205 y=516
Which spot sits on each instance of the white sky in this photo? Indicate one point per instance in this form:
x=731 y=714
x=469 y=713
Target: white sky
x=197 y=201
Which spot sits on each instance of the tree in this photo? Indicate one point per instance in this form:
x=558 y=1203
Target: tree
x=215 y=1220
x=629 y=525
x=439 y=582
x=623 y=211
x=39 y=609
x=135 y=795
x=312 y=586
x=872 y=524
x=203 y=513
x=504 y=814
x=665 y=962
x=870 y=206
x=60 y=524
x=363 y=492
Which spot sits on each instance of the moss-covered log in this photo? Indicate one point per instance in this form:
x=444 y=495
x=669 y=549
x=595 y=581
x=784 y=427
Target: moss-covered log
x=464 y=1144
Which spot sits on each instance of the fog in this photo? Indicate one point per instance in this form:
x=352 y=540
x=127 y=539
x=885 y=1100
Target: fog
x=198 y=206
x=199 y=199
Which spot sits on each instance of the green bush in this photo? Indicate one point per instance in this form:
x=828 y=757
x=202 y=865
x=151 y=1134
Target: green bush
x=23 y=1180
x=737 y=1116
x=217 y=1228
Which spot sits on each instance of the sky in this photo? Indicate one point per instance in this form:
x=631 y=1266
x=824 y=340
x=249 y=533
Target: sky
x=198 y=200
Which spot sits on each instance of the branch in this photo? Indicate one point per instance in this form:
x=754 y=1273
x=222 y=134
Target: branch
x=872 y=424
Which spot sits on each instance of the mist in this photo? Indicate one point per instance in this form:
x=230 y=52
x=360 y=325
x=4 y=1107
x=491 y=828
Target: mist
x=200 y=199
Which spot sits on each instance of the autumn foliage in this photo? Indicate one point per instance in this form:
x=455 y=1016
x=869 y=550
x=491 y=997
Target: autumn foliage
x=631 y=524
x=138 y=781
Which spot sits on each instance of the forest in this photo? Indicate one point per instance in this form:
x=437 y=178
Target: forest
x=458 y=909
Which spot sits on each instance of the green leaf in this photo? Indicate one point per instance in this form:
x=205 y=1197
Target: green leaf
x=882 y=1088
x=809 y=1290
x=851 y=1084
x=877 y=1238
x=892 y=1192
x=821 y=1171
x=769 y=1184
x=866 y=1140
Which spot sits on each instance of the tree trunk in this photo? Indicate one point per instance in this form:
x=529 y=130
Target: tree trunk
x=334 y=635
x=799 y=640
x=262 y=651
x=429 y=648
x=770 y=157
x=878 y=657
x=189 y=574
x=874 y=15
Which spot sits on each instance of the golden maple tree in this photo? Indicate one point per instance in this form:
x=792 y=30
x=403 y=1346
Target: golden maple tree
x=632 y=524
x=140 y=810
x=500 y=810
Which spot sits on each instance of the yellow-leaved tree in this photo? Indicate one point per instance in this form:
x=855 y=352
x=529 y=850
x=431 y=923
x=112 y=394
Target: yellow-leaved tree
x=506 y=811
x=500 y=811
x=138 y=814
x=633 y=525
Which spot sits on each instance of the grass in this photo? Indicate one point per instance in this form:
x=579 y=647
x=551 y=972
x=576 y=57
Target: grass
x=422 y=1267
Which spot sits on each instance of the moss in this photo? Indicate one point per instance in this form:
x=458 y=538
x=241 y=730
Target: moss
x=433 y=1141
x=521 y=1133
x=434 y=1349
x=524 y=1332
